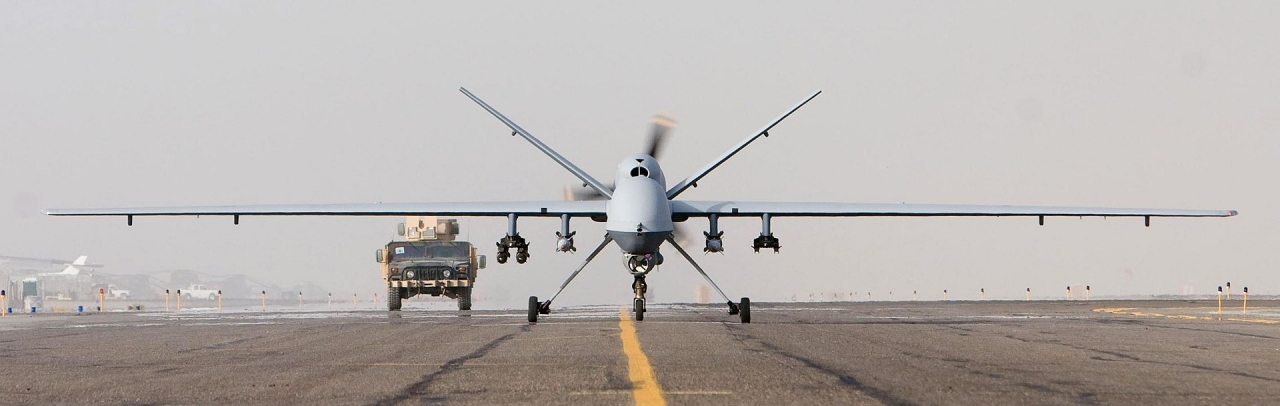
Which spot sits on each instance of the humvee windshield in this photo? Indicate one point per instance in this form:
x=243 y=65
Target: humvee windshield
x=441 y=249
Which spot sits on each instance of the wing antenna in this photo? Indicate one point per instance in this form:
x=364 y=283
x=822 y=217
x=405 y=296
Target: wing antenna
x=690 y=181
x=590 y=181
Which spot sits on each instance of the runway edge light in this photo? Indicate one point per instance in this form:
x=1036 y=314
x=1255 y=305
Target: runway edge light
x=1244 y=308
x=1219 y=300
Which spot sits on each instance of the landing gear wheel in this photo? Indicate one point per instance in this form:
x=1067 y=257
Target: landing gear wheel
x=464 y=299
x=638 y=308
x=393 y=299
x=533 y=309
x=502 y=256
x=744 y=310
x=521 y=257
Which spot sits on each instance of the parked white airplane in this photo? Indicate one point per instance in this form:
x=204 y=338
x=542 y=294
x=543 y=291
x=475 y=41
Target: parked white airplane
x=73 y=267
x=639 y=213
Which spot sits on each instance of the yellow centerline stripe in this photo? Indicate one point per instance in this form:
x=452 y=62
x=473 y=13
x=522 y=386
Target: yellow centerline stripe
x=644 y=383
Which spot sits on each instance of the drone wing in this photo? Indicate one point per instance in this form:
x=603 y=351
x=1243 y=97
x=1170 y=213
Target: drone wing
x=814 y=209
x=461 y=209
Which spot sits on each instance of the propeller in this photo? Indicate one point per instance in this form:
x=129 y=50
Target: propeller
x=659 y=127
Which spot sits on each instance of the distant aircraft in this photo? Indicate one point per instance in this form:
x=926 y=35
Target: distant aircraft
x=73 y=267
x=639 y=213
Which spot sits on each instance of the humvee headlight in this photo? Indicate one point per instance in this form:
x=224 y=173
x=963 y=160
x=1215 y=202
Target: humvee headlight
x=408 y=274
x=447 y=274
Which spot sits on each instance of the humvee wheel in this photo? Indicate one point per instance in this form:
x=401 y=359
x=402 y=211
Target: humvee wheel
x=638 y=308
x=464 y=299
x=744 y=310
x=393 y=299
x=533 y=309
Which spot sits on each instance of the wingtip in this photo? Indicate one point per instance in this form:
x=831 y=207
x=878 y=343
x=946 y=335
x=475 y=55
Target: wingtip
x=1232 y=213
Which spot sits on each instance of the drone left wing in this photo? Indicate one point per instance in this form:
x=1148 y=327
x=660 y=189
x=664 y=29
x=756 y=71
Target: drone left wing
x=462 y=209
x=814 y=209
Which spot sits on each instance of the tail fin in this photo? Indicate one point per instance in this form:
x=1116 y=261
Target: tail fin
x=81 y=260
x=71 y=270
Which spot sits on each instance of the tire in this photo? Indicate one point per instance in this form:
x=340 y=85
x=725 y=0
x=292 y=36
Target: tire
x=744 y=310
x=638 y=308
x=464 y=299
x=186 y=296
x=213 y=296
x=533 y=309
x=124 y=297
x=393 y=299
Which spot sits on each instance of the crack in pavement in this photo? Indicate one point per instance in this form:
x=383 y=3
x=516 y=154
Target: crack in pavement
x=420 y=388
x=881 y=395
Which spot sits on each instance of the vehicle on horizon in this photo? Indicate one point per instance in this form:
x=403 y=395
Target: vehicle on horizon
x=429 y=262
x=112 y=291
x=198 y=291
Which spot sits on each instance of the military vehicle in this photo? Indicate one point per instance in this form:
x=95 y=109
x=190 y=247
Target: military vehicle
x=429 y=262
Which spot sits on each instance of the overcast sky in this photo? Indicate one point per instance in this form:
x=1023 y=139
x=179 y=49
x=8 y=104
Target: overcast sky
x=1117 y=104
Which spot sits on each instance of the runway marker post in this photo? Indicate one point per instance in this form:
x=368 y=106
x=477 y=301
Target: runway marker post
x=330 y=300
x=1244 y=308
x=944 y=294
x=166 y=300
x=219 y=301
x=1219 y=300
x=264 y=300
x=1028 y=294
x=102 y=295
x=914 y=296
x=4 y=305
x=299 y=299
x=1068 y=292
x=1086 y=292
x=179 y=300
x=353 y=299
x=1228 y=290
x=982 y=294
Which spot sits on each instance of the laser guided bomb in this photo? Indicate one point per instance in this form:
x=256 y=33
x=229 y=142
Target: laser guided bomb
x=429 y=262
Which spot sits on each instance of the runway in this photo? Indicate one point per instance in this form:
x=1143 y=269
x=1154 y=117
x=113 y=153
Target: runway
x=894 y=353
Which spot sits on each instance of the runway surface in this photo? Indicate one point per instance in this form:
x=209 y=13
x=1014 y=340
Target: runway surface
x=896 y=353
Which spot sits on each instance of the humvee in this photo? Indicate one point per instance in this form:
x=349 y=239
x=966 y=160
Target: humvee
x=429 y=262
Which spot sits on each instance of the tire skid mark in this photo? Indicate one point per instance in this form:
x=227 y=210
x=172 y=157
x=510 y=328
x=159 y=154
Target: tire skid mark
x=420 y=388
x=1130 y=358
x=881 y=395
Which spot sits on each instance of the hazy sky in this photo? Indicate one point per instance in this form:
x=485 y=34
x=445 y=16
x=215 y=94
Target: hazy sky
x=1124 y=104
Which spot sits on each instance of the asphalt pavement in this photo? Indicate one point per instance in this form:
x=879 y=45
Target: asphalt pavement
x=896 y=353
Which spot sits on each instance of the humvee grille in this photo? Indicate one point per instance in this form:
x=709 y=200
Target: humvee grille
x=429 y=272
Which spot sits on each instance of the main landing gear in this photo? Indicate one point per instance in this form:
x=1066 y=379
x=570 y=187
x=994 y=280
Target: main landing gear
x=536 y=307
x=742 y=308
x=640 y=266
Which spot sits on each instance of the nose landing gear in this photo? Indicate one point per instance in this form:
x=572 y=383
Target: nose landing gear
x=639 y=287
